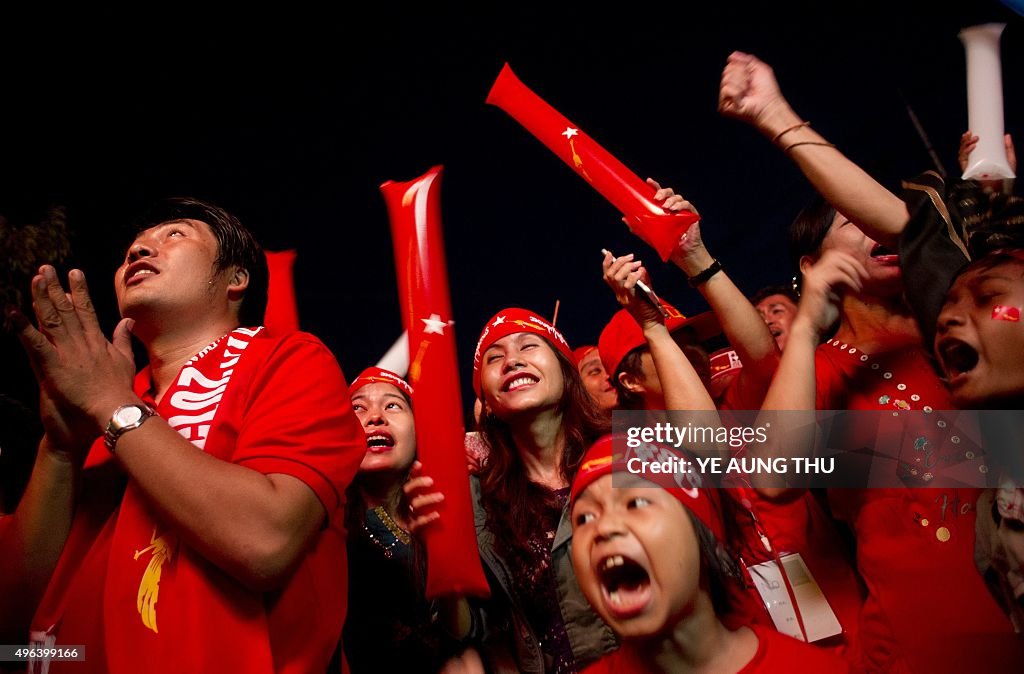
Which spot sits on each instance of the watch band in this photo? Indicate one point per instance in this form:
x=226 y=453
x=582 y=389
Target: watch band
x=703 y=276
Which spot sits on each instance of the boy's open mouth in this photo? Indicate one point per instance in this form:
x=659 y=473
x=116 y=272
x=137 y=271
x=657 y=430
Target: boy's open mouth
x=625 y=583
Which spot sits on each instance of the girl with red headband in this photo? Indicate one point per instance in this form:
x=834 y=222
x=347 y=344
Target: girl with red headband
x=656 y=573
x=761 y=532
x=392 y=626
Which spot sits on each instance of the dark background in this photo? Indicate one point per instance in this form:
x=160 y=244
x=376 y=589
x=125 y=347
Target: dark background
x=293 y=118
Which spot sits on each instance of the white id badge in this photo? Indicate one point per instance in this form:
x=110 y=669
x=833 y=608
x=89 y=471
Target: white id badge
x=819 y=619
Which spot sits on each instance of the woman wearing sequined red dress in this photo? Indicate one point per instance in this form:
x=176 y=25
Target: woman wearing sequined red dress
x=926 y=608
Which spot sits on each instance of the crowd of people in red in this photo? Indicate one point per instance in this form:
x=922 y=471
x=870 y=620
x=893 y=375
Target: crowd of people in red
x=236 y=504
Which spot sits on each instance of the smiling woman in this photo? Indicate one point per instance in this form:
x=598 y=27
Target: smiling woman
x=537 y=420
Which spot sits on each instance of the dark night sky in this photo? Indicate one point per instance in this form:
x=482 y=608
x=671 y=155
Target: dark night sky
x=292 y=119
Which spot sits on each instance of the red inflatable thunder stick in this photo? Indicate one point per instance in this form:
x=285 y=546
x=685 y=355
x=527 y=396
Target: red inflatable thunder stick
x=453 y=559
x=282 y=314
x=625 y=190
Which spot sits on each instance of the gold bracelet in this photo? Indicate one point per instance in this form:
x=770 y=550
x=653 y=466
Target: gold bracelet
x=782 y=133
x=807 y=142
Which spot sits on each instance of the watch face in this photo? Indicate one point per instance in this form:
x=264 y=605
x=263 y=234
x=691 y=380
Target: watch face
x=127 y=415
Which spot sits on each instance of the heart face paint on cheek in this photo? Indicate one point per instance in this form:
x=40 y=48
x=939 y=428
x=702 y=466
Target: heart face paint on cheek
x=1001 y=313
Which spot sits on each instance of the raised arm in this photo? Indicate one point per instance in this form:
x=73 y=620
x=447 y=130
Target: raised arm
x=680 y=383
x=750 y=92
x=793 y=390
x=823 y=282
x=742 y=325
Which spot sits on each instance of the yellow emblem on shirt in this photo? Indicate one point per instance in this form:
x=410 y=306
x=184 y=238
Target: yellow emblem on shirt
x=162 y=548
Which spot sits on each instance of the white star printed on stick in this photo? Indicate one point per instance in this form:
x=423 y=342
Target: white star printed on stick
x=435 y=326
x=570 y=132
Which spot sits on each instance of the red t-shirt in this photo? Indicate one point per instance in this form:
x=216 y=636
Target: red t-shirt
x=797 y=523
x=776 y=654
x=927 y=608
x=291 y=418
x=793 y=523
x=739 y=391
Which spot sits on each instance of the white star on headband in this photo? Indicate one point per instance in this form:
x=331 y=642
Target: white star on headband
x=498 y=321
x=435 y=326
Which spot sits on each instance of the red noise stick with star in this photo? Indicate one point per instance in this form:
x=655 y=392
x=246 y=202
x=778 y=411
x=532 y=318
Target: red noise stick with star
x=453 y=559
x=633 y=197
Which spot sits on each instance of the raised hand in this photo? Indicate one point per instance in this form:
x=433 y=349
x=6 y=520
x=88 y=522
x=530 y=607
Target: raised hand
x=969 y=141
x=622 y=274
x=82 y=376
x=423 y=502
x=749 y=91
x=823 y=285
x=670 y=200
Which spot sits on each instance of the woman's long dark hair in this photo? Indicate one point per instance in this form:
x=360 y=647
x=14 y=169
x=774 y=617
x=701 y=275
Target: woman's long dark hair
x=514 y=505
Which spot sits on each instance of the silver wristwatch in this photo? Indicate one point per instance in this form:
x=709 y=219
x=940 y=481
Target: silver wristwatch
x=124 y=419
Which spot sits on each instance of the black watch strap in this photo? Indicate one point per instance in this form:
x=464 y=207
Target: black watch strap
x=702 y=277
